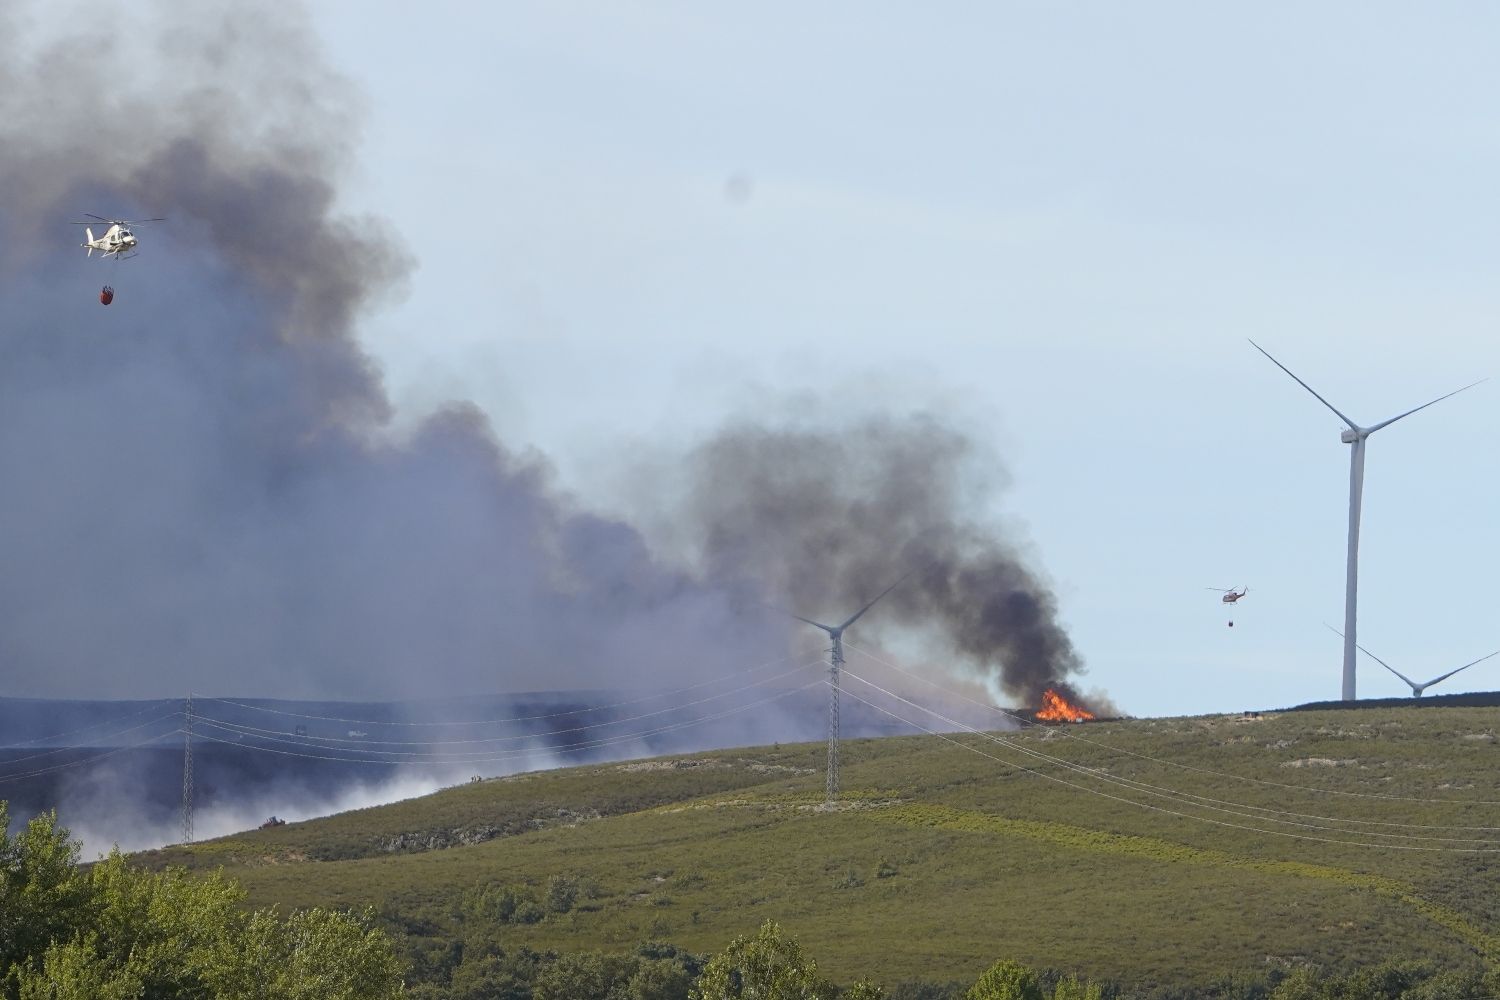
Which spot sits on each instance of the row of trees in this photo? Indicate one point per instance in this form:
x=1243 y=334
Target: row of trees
x=113 y=932
x=771 y=965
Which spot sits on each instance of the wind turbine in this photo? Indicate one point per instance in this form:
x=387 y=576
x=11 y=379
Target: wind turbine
x=1355 y=437
x=1416 y=689
x=835 y=663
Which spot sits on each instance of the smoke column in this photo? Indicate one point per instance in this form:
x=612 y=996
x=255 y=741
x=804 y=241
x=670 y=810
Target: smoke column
x=200 y=486
x=829 y=516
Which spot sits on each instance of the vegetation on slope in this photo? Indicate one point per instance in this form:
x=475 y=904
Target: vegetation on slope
x=1155 y=854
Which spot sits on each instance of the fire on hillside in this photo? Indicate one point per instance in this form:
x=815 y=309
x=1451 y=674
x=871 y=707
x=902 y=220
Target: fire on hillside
x=1056 y=708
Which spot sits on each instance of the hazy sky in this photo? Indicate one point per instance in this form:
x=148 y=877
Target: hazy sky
x=1055 y=223
x=1061 y=221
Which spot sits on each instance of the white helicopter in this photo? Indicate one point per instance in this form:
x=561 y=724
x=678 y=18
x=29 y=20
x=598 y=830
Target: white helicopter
x=1231 y=596
x=118 y=241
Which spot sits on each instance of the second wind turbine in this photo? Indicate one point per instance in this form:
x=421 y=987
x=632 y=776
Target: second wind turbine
x=835 y=663
x=1354 y=437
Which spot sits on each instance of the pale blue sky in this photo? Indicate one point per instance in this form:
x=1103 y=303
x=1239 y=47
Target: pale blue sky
x=1056 y=221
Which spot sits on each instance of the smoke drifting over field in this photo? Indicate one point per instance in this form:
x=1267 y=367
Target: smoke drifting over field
x=203 y=492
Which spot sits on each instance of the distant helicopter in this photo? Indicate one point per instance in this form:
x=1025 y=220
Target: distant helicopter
x=1230 y=596
x=117 y=242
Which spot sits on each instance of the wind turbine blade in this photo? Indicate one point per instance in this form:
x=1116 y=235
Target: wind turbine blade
x=1480 y=660
x=1466 y=666
x=826 y=628
x=1335 y=409
x=855 y=617
x=1455 y=392
x=1378 y=660
x=1443 y=677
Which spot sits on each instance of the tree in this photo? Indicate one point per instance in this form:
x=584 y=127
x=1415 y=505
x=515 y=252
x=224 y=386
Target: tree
x=767 y=966
x=585 y=975
x=488 y=972
x=75 y=971
x=1073 y=988
x=117 y=932
x=659 y=979
x=1006 y=980
x=562 y=893
x=313 y=954
x=43 y=895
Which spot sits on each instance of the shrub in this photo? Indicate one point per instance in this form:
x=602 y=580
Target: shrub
x=562 y=893
x=1006 y=980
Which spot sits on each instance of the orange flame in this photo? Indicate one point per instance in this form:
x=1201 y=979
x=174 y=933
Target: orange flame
x=1056 y=708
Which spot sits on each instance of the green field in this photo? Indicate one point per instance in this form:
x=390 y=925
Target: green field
x=1145 y=852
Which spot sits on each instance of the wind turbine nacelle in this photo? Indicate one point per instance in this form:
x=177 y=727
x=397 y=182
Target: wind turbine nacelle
x=1349 y=436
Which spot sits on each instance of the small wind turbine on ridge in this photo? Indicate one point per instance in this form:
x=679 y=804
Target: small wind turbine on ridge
x=1354 y=437
x=835 y=664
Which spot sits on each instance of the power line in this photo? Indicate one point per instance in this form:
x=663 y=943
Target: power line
x=96 y=757
x=1205 y=802
x=93 y=725
x=108 y=736
x=1148 y=806
x=315 y=740
x=517 y=718
x=1024 y=722
x=525 y=751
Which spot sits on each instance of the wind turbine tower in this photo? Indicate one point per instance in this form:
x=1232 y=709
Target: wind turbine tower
x=1354 y=437
x=835 y=664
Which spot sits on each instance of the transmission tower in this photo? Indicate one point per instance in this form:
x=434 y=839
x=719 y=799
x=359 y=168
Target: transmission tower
x=187 y=773
x=835 y=664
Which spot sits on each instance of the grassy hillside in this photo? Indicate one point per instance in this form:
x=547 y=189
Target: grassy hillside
x=1142 y=851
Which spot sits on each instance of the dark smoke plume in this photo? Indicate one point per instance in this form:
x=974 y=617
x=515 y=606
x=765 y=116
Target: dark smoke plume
x=201 y=490
x=826 y=518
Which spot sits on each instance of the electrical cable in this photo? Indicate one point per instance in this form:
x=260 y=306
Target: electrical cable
x=90 y=760
x=279 y=734
x=1172 y=763
x=1146 y=805
x=1160 y=809
x=528 y=751
x=490 y=722
x=1201 y=801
